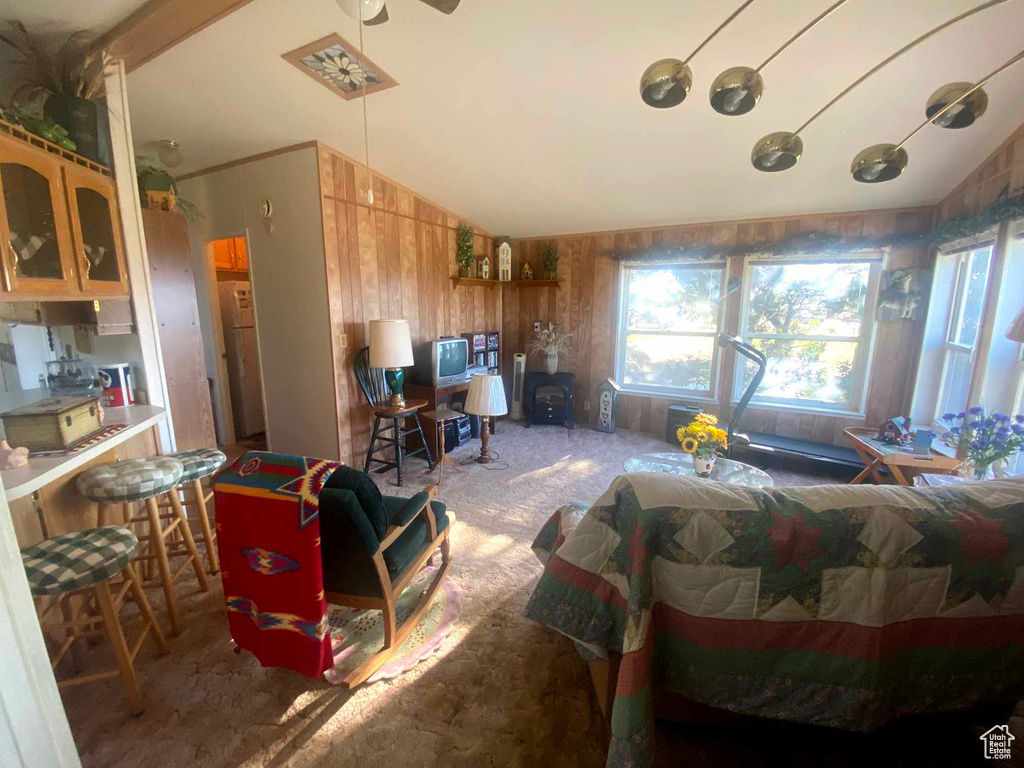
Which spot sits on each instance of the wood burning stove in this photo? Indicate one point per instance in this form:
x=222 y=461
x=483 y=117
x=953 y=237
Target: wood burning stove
x=548 y=398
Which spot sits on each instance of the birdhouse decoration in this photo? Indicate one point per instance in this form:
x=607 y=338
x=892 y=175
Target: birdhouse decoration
x=483 y=267
x=896 y=431
x=503 y=251
x=527 y=272
x=607 y=393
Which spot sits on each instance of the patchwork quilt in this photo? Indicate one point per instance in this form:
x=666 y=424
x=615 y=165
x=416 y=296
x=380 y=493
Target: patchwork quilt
x=268 y=539
x=845 y=606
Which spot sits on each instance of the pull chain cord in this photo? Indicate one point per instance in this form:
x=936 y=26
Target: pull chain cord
x=366 y=133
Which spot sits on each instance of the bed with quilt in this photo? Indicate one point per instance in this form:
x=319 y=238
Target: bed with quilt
x=841 y=605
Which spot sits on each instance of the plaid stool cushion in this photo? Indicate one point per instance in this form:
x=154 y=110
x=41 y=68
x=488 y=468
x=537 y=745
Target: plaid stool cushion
x=79 y=559
x=131 y=480
x=199 y=463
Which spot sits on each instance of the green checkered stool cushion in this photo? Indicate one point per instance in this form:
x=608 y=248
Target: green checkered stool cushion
x=131 y=480
x=79 y=559
x=199 y=463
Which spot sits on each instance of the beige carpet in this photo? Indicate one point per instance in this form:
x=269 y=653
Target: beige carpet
x=502 y=691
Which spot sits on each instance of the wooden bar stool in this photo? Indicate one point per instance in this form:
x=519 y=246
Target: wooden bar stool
x=85 y=563
x=146 y=480
x=198 y=464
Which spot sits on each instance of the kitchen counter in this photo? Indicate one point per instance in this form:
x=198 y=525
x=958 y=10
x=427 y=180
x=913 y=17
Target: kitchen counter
x=42 y=471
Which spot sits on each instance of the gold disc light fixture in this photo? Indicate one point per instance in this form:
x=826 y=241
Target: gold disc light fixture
x=884 y=162
x=785 y=148
x=667 y=81
x=963 y=113
x=737 y=90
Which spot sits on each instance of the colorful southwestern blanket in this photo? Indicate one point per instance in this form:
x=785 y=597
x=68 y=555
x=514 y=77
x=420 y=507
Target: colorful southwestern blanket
x=845 y=606
x=268 y=538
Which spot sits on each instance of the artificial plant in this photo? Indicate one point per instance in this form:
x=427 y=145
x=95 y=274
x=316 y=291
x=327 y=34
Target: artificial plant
x=152 y=177
x=74 y=70
x=464 y=255
x=549 y=258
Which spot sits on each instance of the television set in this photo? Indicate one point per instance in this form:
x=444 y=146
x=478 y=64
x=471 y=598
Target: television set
x=441 y=362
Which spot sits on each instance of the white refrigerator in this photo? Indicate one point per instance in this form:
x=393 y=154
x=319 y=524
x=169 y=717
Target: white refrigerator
x=242 y=357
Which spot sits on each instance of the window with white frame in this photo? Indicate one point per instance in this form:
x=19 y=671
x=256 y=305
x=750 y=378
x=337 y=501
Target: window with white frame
x=669 y=317
x=813 y=318
x=972 y=274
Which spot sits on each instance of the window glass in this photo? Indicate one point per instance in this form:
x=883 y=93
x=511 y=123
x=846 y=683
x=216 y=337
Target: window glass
x=975 y=284
x=674 y=299
x=810 y=299
x=811 y=320
x=669 y=319
x=683 y=362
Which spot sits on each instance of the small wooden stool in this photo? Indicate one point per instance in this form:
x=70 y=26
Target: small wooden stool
x=83 y=563
x=145 y=480
x=198 y=464
x=439 y=417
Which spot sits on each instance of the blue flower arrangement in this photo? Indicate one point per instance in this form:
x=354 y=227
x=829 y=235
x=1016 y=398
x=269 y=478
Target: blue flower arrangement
x=985 y=439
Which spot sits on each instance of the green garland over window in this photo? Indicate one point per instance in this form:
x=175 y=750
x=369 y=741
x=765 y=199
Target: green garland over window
x=952 y=230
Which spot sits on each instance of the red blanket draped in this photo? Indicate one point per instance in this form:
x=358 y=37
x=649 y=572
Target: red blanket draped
x=268 y=537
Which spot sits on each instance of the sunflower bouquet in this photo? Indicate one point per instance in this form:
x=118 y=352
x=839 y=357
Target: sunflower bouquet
x=702 y=438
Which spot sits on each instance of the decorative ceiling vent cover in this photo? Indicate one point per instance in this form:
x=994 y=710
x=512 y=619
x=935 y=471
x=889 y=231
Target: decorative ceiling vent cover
x=335 y=63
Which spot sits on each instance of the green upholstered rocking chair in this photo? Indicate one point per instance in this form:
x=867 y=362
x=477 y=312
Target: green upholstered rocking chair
x=372 y=546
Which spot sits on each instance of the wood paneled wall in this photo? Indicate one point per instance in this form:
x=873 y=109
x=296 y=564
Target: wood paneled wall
x=394 y=259
x=1002 y=170
x=586 y=303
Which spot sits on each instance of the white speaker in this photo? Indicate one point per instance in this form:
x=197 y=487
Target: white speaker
x=518 y=380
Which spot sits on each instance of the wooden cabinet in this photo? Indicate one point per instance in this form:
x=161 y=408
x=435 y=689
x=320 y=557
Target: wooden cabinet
x=60 y=234
x=229 y=255
x=96 y=229
x=34 y=223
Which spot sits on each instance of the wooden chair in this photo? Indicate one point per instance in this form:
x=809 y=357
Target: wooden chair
x=371 y=548
x=371 y=381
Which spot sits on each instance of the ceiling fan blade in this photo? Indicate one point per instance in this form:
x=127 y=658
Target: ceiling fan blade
x=380 y=18
x=444 y=6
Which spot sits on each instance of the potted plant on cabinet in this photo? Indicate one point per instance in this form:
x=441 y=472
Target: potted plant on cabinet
x=464 y=255
x=69 y=79
x=158 y=190
x=550 y=261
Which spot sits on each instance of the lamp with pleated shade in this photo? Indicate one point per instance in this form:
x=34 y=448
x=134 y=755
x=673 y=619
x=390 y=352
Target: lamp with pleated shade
x=391 y=349
x=486 y=399
x=1016 y=330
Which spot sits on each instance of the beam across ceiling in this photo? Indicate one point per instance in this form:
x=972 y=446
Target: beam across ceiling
x=159 y=25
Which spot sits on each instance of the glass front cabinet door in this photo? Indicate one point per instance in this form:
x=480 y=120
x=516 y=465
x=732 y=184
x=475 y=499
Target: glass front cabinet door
x=99 y=253
x=35 y=233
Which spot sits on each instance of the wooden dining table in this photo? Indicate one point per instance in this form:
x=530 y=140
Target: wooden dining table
x=896 y=458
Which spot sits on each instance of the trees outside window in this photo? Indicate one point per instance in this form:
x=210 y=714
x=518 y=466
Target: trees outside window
x=814 y=321
x=669 y=316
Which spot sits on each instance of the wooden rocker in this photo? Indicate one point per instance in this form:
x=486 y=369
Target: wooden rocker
x=371 y=548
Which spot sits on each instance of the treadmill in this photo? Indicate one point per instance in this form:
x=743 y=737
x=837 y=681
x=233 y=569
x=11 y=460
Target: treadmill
x=777 y=445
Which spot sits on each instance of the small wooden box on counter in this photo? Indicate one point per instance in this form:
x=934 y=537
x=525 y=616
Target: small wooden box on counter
x=52 y=424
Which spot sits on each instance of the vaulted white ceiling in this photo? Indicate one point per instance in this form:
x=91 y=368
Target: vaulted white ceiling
x=524 y=116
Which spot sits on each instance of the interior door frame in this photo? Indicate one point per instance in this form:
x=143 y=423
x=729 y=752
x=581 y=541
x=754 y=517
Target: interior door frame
x=224 y=413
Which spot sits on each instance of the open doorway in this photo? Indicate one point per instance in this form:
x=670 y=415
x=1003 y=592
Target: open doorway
x=243 y=395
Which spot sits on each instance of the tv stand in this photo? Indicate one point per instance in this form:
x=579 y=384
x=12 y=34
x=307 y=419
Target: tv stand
x=437 y=397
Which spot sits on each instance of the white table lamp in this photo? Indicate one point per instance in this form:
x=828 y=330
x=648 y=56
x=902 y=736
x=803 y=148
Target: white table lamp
x=486 y=399
x=391 y=349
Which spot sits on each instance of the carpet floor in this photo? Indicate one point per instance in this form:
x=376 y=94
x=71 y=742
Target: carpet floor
x=501 y=691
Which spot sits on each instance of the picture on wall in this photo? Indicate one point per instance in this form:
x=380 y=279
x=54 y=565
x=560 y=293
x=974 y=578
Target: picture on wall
x=904 y=294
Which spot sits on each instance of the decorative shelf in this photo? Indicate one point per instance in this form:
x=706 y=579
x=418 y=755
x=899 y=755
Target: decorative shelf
x=457 y=281
x=17 y=132
x=535 y=283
